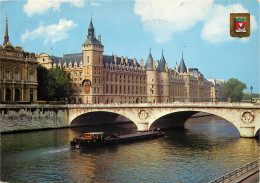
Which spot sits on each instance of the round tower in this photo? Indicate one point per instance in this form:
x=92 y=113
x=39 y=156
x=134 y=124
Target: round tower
x=151 y=80
x=163 y=81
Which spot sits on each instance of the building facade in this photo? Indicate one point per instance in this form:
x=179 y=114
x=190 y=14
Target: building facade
x=99 y=78
x=217 y=90
x=18 y=73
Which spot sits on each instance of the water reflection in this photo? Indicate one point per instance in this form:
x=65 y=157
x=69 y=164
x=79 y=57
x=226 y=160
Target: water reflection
x=207 y=148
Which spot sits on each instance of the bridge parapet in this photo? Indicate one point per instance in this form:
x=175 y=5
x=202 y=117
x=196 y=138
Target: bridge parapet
x=205 y=104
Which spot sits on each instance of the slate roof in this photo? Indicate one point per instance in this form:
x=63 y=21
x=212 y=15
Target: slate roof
x=93 y=41
x=110 y=58
x=182 y=67
x=161 y=66
x=78 y=57
x=55 y=59
x=194 y=71
x=91 y=36
x=149 y=63
x=68 y=58
x=91 y=25
x=73 y=57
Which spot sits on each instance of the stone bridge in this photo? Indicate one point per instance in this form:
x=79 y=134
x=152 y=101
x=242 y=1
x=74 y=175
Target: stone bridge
x=244 y=116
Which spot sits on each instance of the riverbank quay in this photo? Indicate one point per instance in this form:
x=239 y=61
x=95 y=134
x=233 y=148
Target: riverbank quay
x=241 y=174
x=20 y=117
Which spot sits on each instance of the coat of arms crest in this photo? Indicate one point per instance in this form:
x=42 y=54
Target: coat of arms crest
x=240 y=24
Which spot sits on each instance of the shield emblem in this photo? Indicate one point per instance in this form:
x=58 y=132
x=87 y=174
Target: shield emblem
x=240 y=24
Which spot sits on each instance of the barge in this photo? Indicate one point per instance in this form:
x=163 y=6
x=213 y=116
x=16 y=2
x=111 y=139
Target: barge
x=97 y=139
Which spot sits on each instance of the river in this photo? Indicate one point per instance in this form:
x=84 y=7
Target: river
x=205 y=149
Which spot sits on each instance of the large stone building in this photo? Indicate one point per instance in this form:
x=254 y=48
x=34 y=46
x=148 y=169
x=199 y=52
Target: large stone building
x=217 y=90
x=98 y=78
x=18 y=73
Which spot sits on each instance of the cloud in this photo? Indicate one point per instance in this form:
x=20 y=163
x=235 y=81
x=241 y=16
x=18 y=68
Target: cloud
x=41 y=6
x=51 y=33
x=165 y=19
x=179 y=15
x=217 y=26
x=95 y=4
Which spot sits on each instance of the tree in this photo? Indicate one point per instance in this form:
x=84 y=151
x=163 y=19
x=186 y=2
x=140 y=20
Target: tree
x=42 y=73
x=233 y=90
x=247 y=96
x=53 y=84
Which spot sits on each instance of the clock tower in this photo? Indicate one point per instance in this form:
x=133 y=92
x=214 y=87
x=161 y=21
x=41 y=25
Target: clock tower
x=92 y=51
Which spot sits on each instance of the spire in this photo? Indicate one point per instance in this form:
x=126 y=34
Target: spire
x=182 y=66
x=161 y=66
x=91 y=30
x=6 y=38
x=90 y=38
x=149 y=63
x=162 y=58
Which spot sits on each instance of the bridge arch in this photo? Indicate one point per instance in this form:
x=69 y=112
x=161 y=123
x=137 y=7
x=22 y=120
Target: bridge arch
x=177 y=118
x=97 y=116
x=257 y=134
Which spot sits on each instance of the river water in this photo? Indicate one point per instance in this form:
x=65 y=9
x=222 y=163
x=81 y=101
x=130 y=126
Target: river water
x=207 y=148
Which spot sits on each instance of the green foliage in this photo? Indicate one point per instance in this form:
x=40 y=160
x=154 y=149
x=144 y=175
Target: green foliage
x=42 y=73
x=54 y=84
x=233 y=90
x=247 y=96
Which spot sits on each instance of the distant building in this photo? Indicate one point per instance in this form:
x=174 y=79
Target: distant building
x=217 y=89
x=18 y=78
x=98 y=78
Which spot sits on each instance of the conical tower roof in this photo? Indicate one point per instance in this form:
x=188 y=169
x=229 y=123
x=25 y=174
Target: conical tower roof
x=6 y=38
x=161 y=66
x=149 y=63
x=91 y=25
x=91 y=30
x=182 y=67
x=91 y=36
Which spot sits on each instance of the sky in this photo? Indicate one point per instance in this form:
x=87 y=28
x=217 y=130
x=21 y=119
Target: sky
x=130 y=28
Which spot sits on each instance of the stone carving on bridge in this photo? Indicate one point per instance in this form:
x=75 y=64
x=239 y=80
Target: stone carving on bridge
x=247 y=116
x=143 y=114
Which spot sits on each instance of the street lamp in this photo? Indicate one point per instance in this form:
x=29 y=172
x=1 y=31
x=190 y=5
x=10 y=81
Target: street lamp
x=251 y=88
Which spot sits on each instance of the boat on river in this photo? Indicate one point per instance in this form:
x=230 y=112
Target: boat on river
x=97 y=139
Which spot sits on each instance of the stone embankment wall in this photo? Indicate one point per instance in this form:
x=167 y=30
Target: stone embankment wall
x=19 y=118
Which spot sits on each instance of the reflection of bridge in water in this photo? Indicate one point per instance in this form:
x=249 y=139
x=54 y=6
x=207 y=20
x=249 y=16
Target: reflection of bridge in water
x=244 y=116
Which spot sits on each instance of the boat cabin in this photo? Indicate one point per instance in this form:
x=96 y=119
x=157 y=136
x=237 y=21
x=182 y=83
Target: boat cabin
x=93 y=135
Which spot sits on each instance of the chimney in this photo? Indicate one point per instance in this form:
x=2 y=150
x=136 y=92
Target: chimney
x=122 y=59
x=126 y=60
x=154 y=65
x=135 y=62
x=99 y=38
x=115 y=58
x=142 y=63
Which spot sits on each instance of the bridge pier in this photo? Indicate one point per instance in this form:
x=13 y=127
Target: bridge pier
x=142 y=126
x=247 y=131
